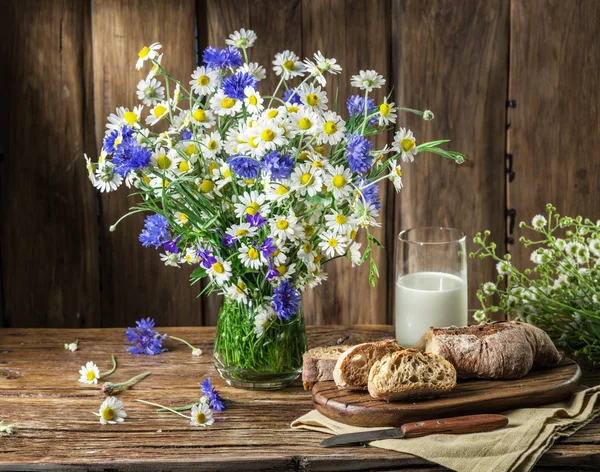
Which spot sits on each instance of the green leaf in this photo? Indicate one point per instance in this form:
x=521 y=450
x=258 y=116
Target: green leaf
x=374 y=240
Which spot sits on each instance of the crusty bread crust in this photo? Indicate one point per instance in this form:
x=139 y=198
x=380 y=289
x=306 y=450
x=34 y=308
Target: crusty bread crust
x=411 y=374
x=318 y=364
x=353 y=366
x=500 y=350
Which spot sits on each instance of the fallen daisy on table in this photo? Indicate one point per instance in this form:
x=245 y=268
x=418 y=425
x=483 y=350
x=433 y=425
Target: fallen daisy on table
x=111 y=411
x=90 y=374
x=6 y=429
x=201 y=414
x=72 y=346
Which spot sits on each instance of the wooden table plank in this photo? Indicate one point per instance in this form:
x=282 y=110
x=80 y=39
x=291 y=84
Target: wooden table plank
x=40 y=394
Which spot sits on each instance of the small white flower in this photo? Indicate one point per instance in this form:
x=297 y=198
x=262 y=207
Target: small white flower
x=313 y=97
x=160 y=111
x=387 y=113
x=333 y=243
x=305 y=121
x=253 y=101
x=238 y=291
x=594 y=247
x=306 y=180
x=105 y=179
x=339 y=222
x=488 y=288
x=220 y=271
x=242 y=230
x=255 y=69
x=355 y=256
x=241 y=39
x=396 y=176
x=72 y=346
x=89 y=373
x=288 y=64
x=223 y=105
x=111 y=411
x=405 y=144
x=285 y=227
x=321 y=65
x=560 y=244
x=503 y=267
x=155 y=68
x=190 y=256
x=538 y=222
x=6 y=428
x=122 y=117
x=264 y=315
x=170 y=259
x=196 y=352
x=251 y=204
x=201 y=117
x=338 y=180
x=201 y=415
x=150 y=92
x=251 y=257
x=332 y=128
x=269 y=137
x=480 y=316
x=211 y=145
x=367 y=80
x=147 y=53
x=204 y=80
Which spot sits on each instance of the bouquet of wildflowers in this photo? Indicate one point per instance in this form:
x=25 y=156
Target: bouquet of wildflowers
x=258 y=190
x=562 y=292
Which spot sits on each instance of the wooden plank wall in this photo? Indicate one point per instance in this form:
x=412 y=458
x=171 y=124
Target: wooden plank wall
x=70 y=63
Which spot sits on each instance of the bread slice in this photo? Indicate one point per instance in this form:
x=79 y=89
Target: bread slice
x=411 y=374
x=500 y=350
x=318 y=364
x=353 y=366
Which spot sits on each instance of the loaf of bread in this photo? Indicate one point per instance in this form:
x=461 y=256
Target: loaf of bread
x=411 y=374
x=500 y=350
x=318 y=364
x=353 y=366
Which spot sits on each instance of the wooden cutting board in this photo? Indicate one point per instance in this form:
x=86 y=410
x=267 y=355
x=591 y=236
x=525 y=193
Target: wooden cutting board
x=540 y=387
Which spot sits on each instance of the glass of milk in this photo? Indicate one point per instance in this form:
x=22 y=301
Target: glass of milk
x=431 y=282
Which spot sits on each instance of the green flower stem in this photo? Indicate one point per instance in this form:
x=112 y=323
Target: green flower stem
x=114 y=367
x=178 y=408
x=111 y=388
x=172 y=410
x=183 y=341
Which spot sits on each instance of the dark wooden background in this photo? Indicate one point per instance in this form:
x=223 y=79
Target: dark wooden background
x=66 y=64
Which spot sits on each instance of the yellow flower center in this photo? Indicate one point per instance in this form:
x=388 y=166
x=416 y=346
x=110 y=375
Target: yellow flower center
x=289 y=65
x=199 y=115
x=276 y=252
x=146 y=179
x=130 y=117
x=318 y=258
x=212 y=167
x=249 y=181
x=252 y=142
x=207 y=186
x=240 y=287
x=320 y=150
x=332 y=242
x=163 y=162
x=330 y=127
x=218 y=268
x=252 y=253
x=306 y=179
x=282 y=224
x=282 y=269
x=227 y=173
x=200 y=417
x=184 y=166
x=267 y=135
x=227 y=102
x=318 y=164
x=309 y=230
x=108 y=413
x=303 y=156
x=385 y=109
x=242 y=232
x=118 y=140
x=159 y=111
x=281 y=190
x=338 y=181
x=307 y=247
x=253 y=208
x=90 y=375
x=353 y=234
x=203 y=80
x=304 y=123
x=272 y=113
x=292 y=109
x=183 y=218
x=407 y=144
x=212 y=145
x=340 y=219
x=252 y=100
x=144 y=52
x=190 y=150
x=312 y=99
x=398 y=171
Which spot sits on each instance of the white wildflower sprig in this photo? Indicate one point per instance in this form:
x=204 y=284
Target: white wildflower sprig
x=111 y=411
x=90 y=373
x=201 y=414
x=72 y=346
x=195 y=350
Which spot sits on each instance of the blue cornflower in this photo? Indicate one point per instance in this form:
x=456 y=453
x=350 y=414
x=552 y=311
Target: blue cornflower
x=207 y=258
x=228 y=241
x=214 y=399
x=245 y=167
x=171 y=245
x=357 y=152
x=144 y=338
x=186 y=134
x=267 y=248
x=117 y=137
x=130 y=156
x=155 y=232
x=255 y=220
x=228 y=57
x=272 y=272
x=234 y=85
x=291 y=96
x=277 y=165
x=370 y=192
x=356 y=106
x=286 y=300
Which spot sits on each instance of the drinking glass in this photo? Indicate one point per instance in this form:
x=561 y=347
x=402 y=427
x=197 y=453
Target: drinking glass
x=431 y=282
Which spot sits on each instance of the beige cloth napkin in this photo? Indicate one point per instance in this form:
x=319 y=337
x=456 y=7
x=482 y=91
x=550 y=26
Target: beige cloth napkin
x=517 y=447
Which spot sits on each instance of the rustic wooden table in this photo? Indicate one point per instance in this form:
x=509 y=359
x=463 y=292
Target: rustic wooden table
x=40 y=394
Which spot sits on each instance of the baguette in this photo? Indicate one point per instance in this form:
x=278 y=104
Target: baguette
x=411 y=374
x=353 y=366
x=318 y=364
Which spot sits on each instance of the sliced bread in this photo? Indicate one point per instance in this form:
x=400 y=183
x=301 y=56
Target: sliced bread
x=411 y=374
x=353 y=366
x=318 y=364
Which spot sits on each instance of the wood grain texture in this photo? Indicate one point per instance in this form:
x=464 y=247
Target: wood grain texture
x=357 y=34
x=135 y=282
x=540 y=387
x=49 y=232
x=553 y=134
x=40 y=394
x=460 y=73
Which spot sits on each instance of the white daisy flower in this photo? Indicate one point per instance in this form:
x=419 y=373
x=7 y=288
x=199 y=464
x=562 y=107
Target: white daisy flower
x=160 y=111
x=264 y=315
x=280 y=254
x=269 y=136
x=190 y=256
x=238 y=291
x=154 y=69
x=251 y=257
x=223 y=176
x=479 y=316
x=181 y=218
x=208 y=188
x=170 y=259
x=405 y=144
x=594 y=247
x=278 y=191
x=367 y=80
x=223 y=105
x=317 y=160
x=251 y=203
x=89 y=373
x=488 y=288
x=305 y=121
x=204 y=80
x=396 y=176
x=338 y=180
x=332 y=128
x=255 y=69
x=354 y=254
x=123 y=117
x=339 y=222
x=147 y=53
x=306 y=179
x=220 y=271
x=285 y=227
x=387 y=113
x=105 y=179
x=253 y=101
x=241 y=39
x=285 y=271
x=165 y=160
x=333 y=243
x=503 y=267
x=288 y=64
x=243 y=230
x=317 y=277
x=313 y=97
x=201 y=415
x=366 y=214
x=111 y=411
x=211 y=145
x=321 y=65
x=201 y=117
x=538 y=222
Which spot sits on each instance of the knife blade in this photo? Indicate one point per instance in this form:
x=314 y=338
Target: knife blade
x=455 y=425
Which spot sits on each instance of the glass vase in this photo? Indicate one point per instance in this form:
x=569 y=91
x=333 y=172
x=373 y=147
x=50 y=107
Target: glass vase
x=258 y=359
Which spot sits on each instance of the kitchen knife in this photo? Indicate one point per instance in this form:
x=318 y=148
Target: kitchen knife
x=456 y=425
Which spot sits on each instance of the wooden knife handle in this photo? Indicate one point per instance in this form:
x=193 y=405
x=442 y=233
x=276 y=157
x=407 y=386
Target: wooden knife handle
x=456 y=425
